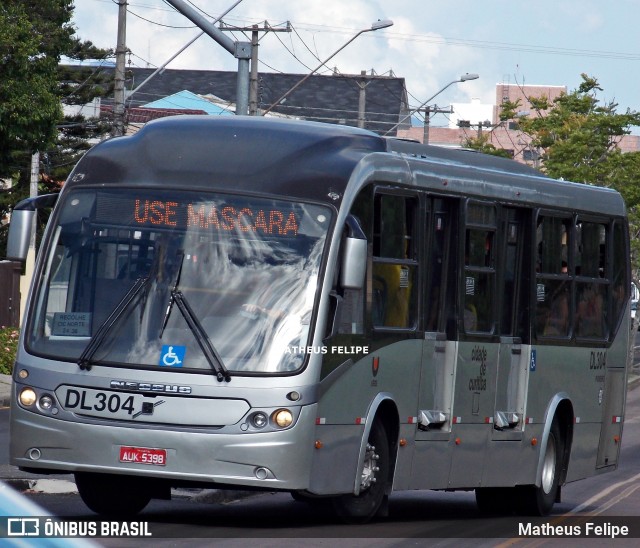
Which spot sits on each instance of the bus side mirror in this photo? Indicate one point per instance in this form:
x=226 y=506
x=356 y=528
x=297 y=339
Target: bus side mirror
x=19 y=238
x=354 y=264
x=21 y=225
x=354 y=256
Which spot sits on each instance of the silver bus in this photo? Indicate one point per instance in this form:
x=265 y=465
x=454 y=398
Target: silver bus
x=290 y=306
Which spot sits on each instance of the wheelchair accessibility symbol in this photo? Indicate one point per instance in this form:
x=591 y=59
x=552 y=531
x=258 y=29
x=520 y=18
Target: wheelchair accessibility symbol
x=172 y=356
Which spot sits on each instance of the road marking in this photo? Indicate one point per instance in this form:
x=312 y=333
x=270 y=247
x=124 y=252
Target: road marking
x=603 y=494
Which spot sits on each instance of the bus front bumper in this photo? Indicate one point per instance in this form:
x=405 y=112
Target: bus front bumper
x=269 y=460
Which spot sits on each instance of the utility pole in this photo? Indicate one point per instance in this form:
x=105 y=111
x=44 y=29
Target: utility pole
x=427 y=119
x=240 y=50
x=121 y=51
x=25 y=281
x=362 y=98
x=479 y=125
x=253 y=78
x=161 y=68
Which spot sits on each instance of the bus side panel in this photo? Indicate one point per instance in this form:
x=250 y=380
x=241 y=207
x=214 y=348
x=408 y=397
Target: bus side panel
x=432 y=463
x=581 y=373
x=344 y=409
x=612 y=417
x=582 y=462
x=615 y=391
x=333 y=466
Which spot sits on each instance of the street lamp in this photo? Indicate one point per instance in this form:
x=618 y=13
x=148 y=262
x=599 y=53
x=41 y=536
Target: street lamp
x=376 y=25
x=463 y=78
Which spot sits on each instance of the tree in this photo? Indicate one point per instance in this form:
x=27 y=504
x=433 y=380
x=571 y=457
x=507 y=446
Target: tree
x=79 y=85
x=34 y=34
x=577 y=139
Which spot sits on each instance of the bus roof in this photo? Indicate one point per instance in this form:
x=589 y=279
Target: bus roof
x=251 y=154
x=309 y=160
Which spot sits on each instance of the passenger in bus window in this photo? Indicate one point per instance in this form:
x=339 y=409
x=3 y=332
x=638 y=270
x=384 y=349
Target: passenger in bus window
x=589 y=313
x=558 y=319
x=392 y=284
x=470 y=317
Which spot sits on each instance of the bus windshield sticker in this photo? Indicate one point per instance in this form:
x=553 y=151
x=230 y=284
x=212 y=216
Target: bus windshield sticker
x=404 y=277
x=172 y=356
x=471 y=286
x=540 y=292
x=71 y=324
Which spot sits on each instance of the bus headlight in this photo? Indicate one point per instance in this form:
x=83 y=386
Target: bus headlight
x=46 y=402
x=283 y=418
x=27 y=397
x=259 y=420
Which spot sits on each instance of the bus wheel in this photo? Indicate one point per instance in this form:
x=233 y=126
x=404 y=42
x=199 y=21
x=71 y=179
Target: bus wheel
x=538 y=501
x=111 y=495
x=373 y=481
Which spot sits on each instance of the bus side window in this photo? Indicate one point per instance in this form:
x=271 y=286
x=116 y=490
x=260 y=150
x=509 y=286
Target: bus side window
x=619 y=279
x=394 y=276
x=436 y=259
x=479 y=268
x=591 y=314
x=553 y=277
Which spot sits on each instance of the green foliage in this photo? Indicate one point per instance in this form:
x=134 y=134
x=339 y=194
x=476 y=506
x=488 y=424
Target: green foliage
x=8 y=348
x=578 y=137
x=34 y=34
x=29 y=103
x=482 y=144
x=578 y=141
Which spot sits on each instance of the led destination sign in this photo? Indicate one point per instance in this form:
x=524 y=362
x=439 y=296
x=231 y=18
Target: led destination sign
x=260 y=217
x=212 y=216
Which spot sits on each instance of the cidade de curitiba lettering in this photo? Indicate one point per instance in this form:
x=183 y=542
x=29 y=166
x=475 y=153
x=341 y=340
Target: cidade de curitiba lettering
x=271 y=222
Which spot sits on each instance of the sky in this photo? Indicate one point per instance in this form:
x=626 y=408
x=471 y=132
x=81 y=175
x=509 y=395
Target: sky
x=431 y=43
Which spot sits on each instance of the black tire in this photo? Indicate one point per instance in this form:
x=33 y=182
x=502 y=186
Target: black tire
x=538 y=501
x=111 y=495
x=496 y=500
x=374 y=477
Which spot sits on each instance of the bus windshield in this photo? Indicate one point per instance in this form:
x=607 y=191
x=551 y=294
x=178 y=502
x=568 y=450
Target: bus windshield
x=160 y=279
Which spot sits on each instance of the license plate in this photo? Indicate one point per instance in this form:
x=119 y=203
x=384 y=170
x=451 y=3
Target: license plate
x=143 y=455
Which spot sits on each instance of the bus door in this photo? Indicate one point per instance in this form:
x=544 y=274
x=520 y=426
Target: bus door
x=478 y=348
x=515 y=358
x=439 y=351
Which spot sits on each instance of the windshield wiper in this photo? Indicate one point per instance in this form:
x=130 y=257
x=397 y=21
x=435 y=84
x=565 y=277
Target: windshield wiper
x=209 y=351
x=85 y=359
x=171 y=298
x=213 y=358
